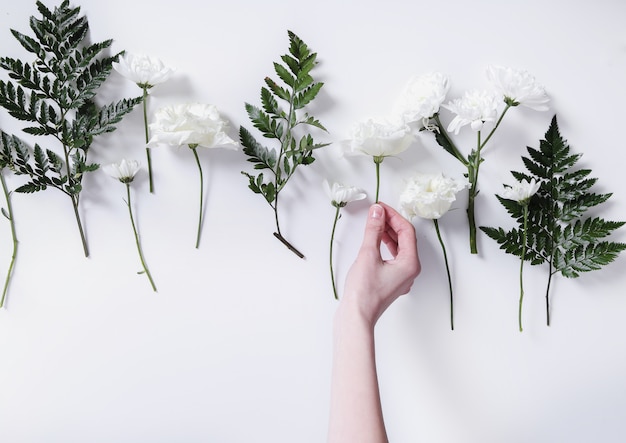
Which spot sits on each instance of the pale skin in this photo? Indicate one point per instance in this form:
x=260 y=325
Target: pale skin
x=372 y=285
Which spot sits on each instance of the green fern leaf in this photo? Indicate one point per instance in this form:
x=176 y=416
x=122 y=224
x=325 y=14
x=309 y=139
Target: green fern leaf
x=558 y=231
x=298 y=89
x=307 y=95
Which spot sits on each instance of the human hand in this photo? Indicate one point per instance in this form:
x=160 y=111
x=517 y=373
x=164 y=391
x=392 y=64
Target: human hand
x=372 y=283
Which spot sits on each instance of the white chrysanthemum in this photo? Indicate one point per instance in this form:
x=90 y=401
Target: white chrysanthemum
x=193 y=124
x=379 y=139
x=422 y=97
x=123 y=171
x=143 y=70
x=518 y=87
x=521 y=191
x=430 y=195
x=340 y=195
x=475 y=108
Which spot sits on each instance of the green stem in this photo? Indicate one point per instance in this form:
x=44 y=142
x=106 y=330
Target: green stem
x=377 y=161
x=147 y=135
x=275 y=208
x=195 y=154
x=495 y=127
x=79 y=223
x=552 y=229
x=285 y=144
x=137 y=242
x=445 y=257
x=548 y=294
x=278 y=234
x=74 y=197
x=473 y=167
x=471 y=218
x=9 y=214
x=521 y=267
x=332 y=238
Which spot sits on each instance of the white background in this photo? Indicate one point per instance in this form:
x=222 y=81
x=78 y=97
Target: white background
x=236 y=344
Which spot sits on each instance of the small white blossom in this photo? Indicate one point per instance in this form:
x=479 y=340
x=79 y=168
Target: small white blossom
x=341 y=195
x=143 y=70
x=518 y=87
x=422 y=97
x=521 y=191
x=379 y=139
x=123 y=171
x=430 y=196
x=191 y=124
x=475 y=108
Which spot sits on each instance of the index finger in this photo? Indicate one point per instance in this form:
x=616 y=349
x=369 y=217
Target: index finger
x=404 y=231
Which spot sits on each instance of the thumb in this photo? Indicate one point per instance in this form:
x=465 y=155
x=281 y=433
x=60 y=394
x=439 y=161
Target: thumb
x=374 y=228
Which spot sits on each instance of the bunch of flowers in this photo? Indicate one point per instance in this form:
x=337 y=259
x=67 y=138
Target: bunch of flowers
x=424 y=96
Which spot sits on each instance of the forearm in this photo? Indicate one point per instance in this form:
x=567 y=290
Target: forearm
x=356 y=413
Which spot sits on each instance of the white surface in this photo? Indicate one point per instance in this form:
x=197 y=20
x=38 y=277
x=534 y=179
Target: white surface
x=235 y=346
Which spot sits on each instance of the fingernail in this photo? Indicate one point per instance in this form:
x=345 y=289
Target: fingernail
x=376 y=211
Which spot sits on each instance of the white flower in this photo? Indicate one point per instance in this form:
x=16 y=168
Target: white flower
x=192 y=124
x=521 y=191
x=474 y=108
x=518 y=87
x=143 y=70
x=379 y=139
x=123 y=171
x=422 y=97
x=430 y=195
x=341 y=195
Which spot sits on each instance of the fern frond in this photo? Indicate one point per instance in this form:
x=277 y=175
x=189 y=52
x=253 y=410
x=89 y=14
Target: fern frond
x=558 y=232
x=297 y=88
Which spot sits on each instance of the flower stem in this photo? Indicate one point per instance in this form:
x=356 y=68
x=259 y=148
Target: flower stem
x=504 y=111
x=521 y=267
x=195 y=154
x=137 y=242
x=445 y=257
x=473 y=167
x=377 y=162
x=145 y=125
x=471 y=218
x=9 y=215
x=332 y=238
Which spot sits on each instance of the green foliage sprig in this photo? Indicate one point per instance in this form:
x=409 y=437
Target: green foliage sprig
x=55 y=95
x=557 y=231
x=280 y=123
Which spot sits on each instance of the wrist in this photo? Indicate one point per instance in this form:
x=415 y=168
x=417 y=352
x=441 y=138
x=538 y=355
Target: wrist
x=354 y=312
